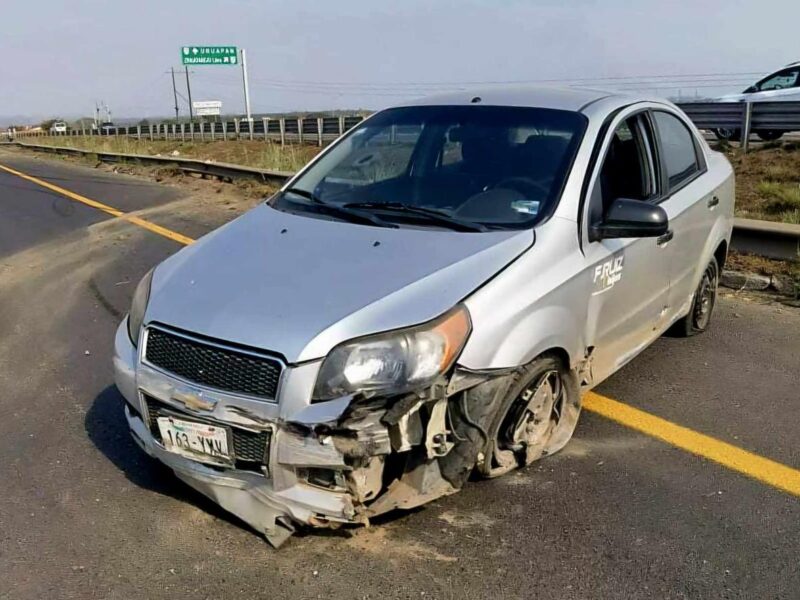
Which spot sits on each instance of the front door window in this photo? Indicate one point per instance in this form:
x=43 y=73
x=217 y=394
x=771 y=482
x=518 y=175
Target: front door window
x=780 y=81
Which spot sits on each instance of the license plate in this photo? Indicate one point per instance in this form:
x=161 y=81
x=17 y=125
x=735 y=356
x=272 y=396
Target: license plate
x=198 y=441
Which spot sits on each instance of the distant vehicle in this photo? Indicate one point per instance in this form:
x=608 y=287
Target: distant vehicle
x=429 y=297
x=781 y=86
x=58 y=127
x=105 y=128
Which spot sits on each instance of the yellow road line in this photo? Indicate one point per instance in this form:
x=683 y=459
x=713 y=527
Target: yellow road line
x=734 y=458
x=167 y=233
x=730 y=456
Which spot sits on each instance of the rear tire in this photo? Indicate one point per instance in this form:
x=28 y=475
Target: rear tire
x=705 y=297
x=728 y=135
x=769 y=135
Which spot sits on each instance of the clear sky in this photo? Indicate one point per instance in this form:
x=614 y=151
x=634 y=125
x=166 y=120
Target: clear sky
x=59 y=56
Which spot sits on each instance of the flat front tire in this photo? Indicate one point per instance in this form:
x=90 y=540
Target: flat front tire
x=536 y=417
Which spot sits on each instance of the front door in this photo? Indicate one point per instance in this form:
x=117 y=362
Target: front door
x=629 y=277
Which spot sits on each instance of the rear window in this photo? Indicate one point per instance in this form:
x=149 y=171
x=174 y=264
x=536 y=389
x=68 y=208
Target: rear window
x=497 y=166
x=677 y=147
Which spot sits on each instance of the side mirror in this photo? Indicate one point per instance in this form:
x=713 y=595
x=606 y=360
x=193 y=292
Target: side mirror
x=751 y=90
x=628 y=218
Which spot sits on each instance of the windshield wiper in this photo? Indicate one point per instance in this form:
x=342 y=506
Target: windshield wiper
x=430 y=214
x=337 y=210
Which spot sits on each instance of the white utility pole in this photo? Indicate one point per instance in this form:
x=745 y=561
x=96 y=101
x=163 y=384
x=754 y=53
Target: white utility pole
x=243 y=60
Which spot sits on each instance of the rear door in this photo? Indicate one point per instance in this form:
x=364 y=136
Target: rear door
x=689 y=201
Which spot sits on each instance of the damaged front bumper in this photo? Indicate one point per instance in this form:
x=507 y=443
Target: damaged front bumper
x=324 y=465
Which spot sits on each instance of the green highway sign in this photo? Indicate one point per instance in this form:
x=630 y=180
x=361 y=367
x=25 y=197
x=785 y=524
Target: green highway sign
x=209 y=55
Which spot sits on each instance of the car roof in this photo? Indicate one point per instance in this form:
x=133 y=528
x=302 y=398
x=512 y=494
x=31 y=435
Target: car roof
x=572 y=99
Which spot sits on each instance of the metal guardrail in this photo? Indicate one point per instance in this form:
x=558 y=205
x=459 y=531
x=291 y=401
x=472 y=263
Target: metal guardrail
x=292 y=130
x=744 y=117
x=765 y=238
x=225 y=171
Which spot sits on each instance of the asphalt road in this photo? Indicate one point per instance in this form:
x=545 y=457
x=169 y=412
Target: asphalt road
x=617 y=514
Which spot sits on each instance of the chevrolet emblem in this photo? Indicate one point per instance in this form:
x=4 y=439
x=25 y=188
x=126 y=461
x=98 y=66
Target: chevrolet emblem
x=194 y=401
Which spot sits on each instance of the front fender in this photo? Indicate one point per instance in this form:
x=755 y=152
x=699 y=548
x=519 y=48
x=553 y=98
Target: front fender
x=529 y=335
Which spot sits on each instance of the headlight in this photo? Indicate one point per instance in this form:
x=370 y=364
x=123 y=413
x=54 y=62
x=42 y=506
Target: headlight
x=138 y=306
x=394 y=362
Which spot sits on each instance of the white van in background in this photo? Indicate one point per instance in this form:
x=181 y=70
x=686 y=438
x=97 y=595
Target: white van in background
x=781 y=86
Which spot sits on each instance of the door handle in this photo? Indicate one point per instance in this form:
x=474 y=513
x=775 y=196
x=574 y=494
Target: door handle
x=713 y=202
x=663 y=239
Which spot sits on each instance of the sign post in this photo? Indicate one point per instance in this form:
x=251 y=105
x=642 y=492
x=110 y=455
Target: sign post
x=246 y=93
x=218 y=55
x=189 y=92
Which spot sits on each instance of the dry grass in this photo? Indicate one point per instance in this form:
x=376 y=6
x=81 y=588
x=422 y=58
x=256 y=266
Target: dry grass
x=782 y=199
x=259 y=154
x=762 y=265
x=767 y=182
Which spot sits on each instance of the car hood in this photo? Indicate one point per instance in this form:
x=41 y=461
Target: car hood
x=297 y=285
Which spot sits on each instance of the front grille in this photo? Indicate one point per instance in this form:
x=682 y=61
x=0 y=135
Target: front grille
x=250 y=448
x=213 y=366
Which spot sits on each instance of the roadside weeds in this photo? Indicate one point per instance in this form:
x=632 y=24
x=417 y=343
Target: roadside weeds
x=767 y=181
x=251 y=153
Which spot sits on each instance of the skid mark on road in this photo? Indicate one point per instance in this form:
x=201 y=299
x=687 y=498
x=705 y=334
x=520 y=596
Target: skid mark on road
x=737 y=459
x=762 y=469
x=110 y=210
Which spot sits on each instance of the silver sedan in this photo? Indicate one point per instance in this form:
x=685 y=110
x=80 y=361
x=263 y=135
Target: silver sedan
x=427 y=299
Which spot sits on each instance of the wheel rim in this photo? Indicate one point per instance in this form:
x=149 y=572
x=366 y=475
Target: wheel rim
x=724 y=133
x=706 y=295
x=530 y=420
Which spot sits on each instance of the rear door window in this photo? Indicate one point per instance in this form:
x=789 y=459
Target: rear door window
x=677 y=148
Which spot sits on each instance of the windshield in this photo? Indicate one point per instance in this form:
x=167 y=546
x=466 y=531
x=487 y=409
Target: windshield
x=502 y=167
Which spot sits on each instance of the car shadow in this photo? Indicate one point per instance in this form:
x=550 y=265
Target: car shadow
x=107 y=429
